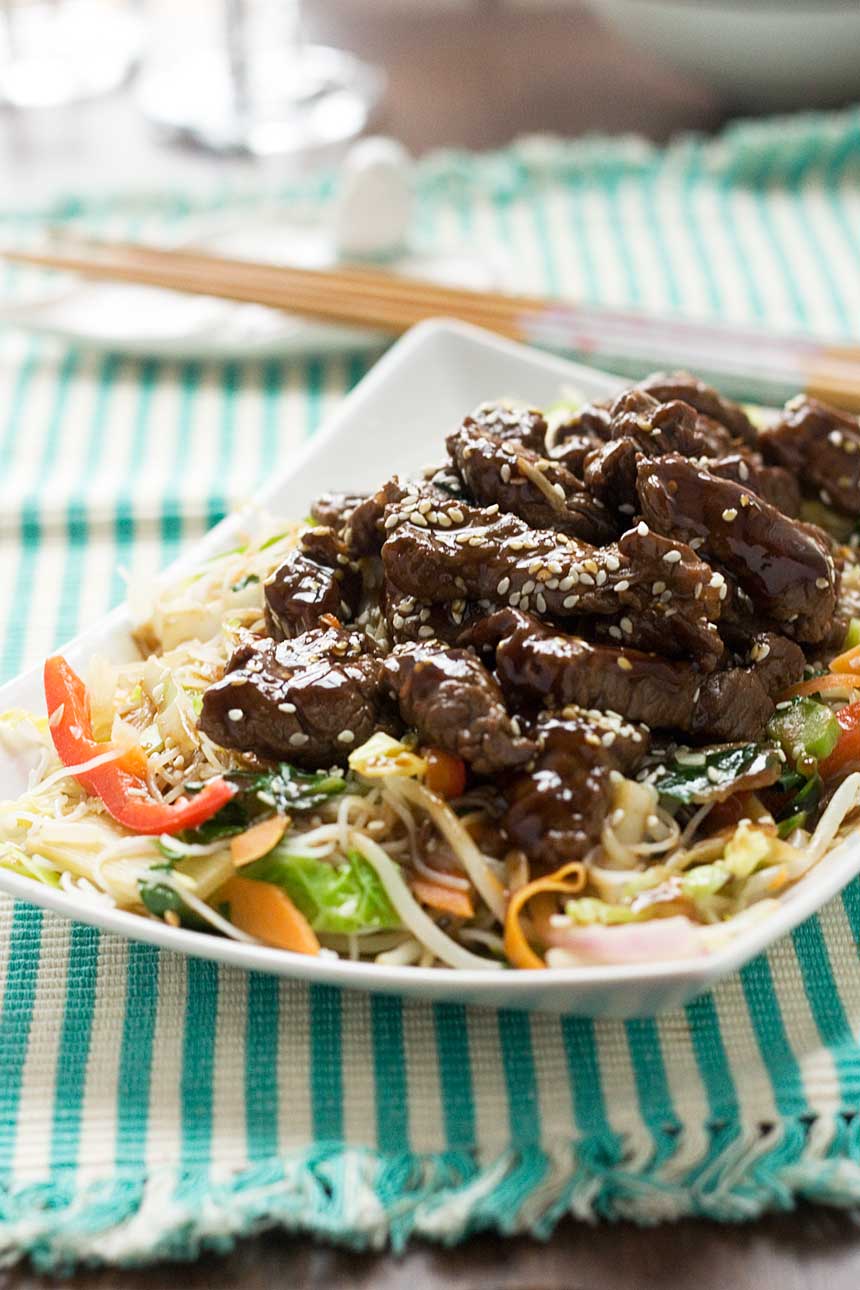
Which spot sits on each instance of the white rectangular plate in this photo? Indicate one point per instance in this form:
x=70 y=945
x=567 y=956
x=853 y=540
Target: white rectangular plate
x=396 y=421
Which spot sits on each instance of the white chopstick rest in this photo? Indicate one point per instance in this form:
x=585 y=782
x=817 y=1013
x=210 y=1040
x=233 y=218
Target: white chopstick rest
x=373 y=209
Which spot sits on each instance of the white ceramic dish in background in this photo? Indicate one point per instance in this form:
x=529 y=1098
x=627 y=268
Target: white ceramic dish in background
x=756 y=53
x=397 y=419
x=147 y=322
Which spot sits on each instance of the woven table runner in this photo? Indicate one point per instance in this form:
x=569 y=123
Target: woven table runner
x=152 y=1105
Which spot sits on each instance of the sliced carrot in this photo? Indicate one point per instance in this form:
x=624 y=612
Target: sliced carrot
x=446 y=773
x=821 y=684
x=263 y=910
x=258 y=840
x=566 y=881
x=448 y=900
x=847 y=751
x=848 y=661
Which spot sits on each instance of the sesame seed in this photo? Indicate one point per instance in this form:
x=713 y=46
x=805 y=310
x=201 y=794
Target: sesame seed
x=608 y=739
x=615 y=633
x=627 y=509
x=235 y=714
x=642 y=529
x=456 y=515
x=587 y=579
x=713 y=775
x=505 y=473
x=601 y=577
x=590 y=565
x=657 y=588
x=417 y=518
x=425 y=632
x=298 y=739
x=569 y=602
x=570 y=581
x=822 y=584
x=540 y=603
x=425 y=506
x=825 y=496
x=476 y=541
x=717 y=580
x=613 y=564
x=672 y=557
x=592 y=739
x=744 y=471
x=346 y=737
x=695 y=543
x=730 y=514
x=622 y=584
x=528 y=587
x=625 y=664
x=397 y=622
x=288 y=708
x=524 y=603
x=745 y=501
x=627 y=626
x=835 y=438
x=503 y=586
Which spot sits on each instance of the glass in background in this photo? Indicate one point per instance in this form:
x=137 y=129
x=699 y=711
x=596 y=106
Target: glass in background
x=54 y=52
x=261 y=88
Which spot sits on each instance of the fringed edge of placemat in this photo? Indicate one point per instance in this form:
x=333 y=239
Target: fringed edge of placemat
x=357 y=1197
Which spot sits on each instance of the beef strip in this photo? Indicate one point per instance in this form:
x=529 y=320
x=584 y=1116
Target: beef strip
x=640 y=426
x=666 y=386
x=570 y=441
x=772 y=483
x=820 y=445
x=408 y=619
x=538 y=665
x=557 y=808
x=642 y=582
x=543 y=493
x=508 y=422
x=309 y=700
x=784 y=566
x=335 y=509
x=314 y=580
x=455 y=704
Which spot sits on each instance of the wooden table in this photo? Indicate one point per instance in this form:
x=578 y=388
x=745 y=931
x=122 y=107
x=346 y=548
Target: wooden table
x=472 y=76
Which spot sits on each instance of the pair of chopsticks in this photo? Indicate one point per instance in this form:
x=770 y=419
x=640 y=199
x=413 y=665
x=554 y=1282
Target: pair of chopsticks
x=748 y=359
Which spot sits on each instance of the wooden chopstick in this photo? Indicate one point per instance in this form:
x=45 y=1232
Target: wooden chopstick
x=374 y=298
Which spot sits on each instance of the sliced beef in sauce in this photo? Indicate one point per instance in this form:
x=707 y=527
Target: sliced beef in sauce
x=522 y=482
x=557 y=807
x=820 y=445
x=784 y=567
x=335 y=509
x=455 y=704
x=503 y=562
x=509 y=422
x=535 y=664
x=309 y=700
x=666 y=386
x=315 y=580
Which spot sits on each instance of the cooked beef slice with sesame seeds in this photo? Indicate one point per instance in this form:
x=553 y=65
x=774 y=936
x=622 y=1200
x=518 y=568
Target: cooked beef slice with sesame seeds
x=784 y=567
x=543 y=493
x=298 y=593
x=408 y=619
x=363 y=533
x=820 y=445
x=557 y=807
x=536 y=664
x=772 y=483
x=309 y=700
x=571 y=440
x=504 y=562
x=335 y=509
x=666 y=386
x=455 y=704
x=507 y=421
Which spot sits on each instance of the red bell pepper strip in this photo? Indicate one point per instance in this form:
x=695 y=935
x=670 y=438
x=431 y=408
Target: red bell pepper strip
x=124 y=793
x=847 y=751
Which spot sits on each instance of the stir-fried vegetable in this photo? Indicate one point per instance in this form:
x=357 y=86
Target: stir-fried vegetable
x=806 y=731
x=712 y=774
x=847 y=751
x=267 y=912
x=346 y=898
x=121 y=785
x=259 y=795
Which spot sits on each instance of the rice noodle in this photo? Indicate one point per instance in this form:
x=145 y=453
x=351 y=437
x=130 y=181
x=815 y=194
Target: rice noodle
x=475 y=863
x=420 y=924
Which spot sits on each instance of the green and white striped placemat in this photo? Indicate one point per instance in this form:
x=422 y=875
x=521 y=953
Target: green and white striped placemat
x=151 y=1105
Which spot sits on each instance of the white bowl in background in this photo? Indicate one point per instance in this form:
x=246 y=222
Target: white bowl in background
x=756 y=53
